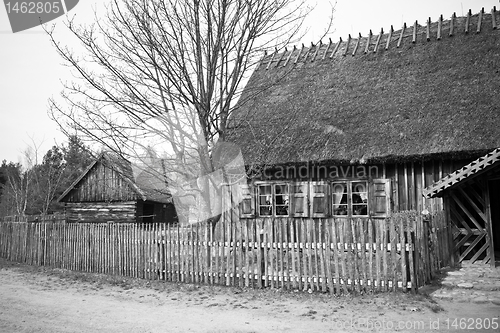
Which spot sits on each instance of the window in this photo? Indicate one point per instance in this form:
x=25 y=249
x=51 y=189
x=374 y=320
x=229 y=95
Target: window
x=350 y=198
x=346 y=198
x=273 y=199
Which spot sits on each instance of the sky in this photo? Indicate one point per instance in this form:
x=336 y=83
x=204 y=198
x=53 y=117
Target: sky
x=31 y=72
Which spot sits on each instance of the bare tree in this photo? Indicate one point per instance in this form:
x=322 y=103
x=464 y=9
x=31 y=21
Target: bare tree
x=159 y=80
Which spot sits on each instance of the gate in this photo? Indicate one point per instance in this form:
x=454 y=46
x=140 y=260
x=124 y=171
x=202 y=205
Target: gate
x=470 y=225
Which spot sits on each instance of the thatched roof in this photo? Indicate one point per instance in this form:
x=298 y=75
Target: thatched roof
x=368 y=99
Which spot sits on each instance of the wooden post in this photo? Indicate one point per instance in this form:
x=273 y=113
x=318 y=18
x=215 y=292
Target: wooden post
x=414 y=38
x=368 y=41
x=272 y=58
x=347 y=45
x=317 y=49
x=326 y=49
x=440 y=26
x=493 y=19
x=480 y=20
x=289 y=56
x=389 y=38
x=401 y=35
x=281 y=58
x=378 y=40
x=428 y=30
x=467 y=20
x=357 y=45
x=452 y=24
x=298 y=54
x=336 y=48
x=489 y=221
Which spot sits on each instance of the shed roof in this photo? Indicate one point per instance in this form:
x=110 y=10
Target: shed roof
x=473 y=169
x=416 y=93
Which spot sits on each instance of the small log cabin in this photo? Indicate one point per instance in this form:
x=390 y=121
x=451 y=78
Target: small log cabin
x=107 y=191
x=360 y=127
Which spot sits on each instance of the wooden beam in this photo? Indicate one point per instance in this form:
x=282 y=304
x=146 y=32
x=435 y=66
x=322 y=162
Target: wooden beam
x=493 y=19
x=327 y=48
x=289 y=56
x=378 y=40
x=347 y=45
x=281 y=58
x=489 y=223
x=357 y=45
x=467 y=21
x=414 y=38
x=440 y=26
x=298 y=54
x=272 y=58
x=479 y=20
x=452 y=24
x=428 y=30
x=336 y=48
x=401 y=35
x=389 y=38
x=368 y=41
x=317 y=49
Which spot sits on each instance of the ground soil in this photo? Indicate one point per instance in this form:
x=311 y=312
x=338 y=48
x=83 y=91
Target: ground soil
x=38 y=299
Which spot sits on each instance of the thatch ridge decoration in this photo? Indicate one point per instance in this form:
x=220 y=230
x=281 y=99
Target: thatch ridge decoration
x=472 y=169
x=430 y=31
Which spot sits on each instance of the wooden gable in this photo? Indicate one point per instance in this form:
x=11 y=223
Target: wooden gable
x=102 y=182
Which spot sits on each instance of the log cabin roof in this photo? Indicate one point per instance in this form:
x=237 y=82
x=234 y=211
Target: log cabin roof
x=142 y=187
x=424 y=91
x=473 y=169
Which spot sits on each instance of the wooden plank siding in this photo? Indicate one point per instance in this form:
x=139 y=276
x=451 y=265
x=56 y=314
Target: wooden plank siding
x=102 y=183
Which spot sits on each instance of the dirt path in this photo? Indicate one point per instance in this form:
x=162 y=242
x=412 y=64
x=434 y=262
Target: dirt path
x=35 y=299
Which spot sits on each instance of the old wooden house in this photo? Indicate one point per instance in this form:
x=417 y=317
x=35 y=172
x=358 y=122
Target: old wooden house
x=360 y=127
x=108 y=191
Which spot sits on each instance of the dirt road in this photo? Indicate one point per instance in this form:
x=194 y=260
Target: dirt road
x=36 y=299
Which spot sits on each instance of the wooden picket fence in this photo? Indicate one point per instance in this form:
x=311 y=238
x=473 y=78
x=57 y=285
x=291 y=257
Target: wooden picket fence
x=326 y=255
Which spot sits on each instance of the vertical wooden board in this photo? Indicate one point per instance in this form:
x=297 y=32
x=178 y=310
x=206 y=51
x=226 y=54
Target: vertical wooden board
x=304 y=247
x=364 y=267
x=309 y=254
x=293 y=240
x=402 y=239
x=247 y=252
x=343 y=255
x=335 y=250
x=371 y=244
x=287 y=252
x=315 y=254
x=280 y=283
x=240 y=241
x=385 y=255
x=260 y=252
x=394 y=259
x=322 y=254
x=378 y=252
x=355 y=254
x=328 y=255
x=411 y=262
x=268 y=252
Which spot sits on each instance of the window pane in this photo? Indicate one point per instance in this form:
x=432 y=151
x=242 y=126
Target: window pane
x=360 y=209
x=339 y=195
x=265 y=200
x=359 y=192
x=281 y=199
x=319 y=188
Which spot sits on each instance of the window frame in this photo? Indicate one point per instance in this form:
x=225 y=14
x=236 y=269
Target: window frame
x=348 y=183
x=273 y=205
